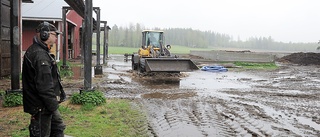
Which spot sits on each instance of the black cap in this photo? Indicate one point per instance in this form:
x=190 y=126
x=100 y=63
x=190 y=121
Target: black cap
x=45 y=26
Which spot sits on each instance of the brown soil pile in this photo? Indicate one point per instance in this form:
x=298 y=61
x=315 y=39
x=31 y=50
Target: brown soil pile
x=301 y=58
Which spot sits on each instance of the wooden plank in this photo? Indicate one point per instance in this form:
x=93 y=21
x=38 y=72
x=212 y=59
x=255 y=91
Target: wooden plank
x=5 y=58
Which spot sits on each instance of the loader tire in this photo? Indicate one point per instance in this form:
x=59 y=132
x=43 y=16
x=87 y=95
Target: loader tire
x=134 y=65
x=134 y=62
x=141 y=65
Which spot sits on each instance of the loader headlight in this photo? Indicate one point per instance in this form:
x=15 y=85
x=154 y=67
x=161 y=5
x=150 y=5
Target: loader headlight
x=168 y=46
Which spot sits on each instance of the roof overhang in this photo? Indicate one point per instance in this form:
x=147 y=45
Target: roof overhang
x=42 y=19
x=102 y=28
x=27 y=1
x=77 y=5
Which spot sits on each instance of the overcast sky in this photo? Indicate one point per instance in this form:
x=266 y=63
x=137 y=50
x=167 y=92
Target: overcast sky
x=283 y=20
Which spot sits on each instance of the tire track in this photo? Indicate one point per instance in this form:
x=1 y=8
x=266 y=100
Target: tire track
x=246 y=116
x=185 y=117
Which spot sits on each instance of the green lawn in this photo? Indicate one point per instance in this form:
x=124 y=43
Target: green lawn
x=261 y=66
x=116 y=118
x=123 y=50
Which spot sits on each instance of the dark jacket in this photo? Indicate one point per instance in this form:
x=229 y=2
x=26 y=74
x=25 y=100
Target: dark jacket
x=40 y=79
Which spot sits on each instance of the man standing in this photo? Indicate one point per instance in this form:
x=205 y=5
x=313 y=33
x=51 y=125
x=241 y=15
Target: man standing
x=42 y=89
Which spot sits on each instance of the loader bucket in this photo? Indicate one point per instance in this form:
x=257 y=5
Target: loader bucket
x=169 y=65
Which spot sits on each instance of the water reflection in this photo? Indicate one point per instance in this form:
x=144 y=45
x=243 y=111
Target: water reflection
x=209 y=80
x=118 y=69
x=197 y=80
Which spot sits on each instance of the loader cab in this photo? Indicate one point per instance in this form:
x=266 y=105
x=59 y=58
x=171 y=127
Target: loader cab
x=152 y=38
x=153 y=56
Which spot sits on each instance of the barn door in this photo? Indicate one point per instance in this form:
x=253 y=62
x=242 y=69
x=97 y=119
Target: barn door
x=5 y=63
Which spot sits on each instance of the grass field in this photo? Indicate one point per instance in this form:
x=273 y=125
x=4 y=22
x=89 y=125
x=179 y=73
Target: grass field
x=116 y=118
x=122 y=50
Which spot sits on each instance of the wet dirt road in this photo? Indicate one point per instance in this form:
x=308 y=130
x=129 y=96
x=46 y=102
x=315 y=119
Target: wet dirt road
x=284 y=102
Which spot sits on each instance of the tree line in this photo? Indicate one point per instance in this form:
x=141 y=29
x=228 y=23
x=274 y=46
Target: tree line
x=130 y=36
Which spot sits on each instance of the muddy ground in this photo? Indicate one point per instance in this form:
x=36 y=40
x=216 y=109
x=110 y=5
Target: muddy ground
x=263 y=103
x=282 y=102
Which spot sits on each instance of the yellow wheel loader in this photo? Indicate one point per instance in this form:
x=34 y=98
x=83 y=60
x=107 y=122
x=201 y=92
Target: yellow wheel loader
x=154 y=56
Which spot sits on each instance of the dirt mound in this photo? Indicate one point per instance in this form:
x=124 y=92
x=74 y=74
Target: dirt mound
x=301 y=58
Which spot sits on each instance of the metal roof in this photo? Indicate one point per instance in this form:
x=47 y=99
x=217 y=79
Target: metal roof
x=77 y=5
x=49 y=9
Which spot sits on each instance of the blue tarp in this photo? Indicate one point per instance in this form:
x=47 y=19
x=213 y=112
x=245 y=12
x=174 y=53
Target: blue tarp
x=215 y=68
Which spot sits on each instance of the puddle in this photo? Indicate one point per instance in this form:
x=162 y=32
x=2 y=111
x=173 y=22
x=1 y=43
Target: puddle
x=113 y=76
x=173 y=96
x=116 y=66
x=200 y=80
x=208 y=80
x=308 y=122
x=193 y=80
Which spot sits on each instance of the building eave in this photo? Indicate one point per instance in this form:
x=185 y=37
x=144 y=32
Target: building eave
x=77 y=5
x=27 y=1
x=42 y=19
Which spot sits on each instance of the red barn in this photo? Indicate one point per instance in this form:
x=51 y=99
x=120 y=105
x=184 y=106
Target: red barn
x=51 y=11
